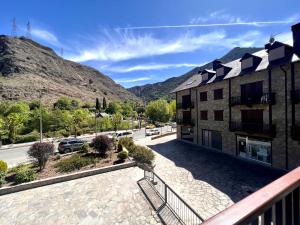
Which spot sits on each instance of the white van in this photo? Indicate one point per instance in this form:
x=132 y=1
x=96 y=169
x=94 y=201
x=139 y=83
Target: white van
x=120 y=134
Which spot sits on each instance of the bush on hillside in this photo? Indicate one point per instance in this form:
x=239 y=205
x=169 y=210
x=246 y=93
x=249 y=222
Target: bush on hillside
x=75 y=162
x=41 y=153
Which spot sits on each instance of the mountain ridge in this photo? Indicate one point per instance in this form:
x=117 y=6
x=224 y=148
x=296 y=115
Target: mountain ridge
x=27 y=67
x=162 y=89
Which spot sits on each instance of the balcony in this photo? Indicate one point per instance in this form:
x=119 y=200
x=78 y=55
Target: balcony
x=295 y=96
x=276 y=203
x=254 y=128
x=185 y=105
x=296 y=132
x=264 y=99
x=186 y=122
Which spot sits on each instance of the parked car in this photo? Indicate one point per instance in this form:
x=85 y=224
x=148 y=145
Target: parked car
x=159 y=124
x=120 y=134
x=150 y=126
x=151 y=132
x=70 y=145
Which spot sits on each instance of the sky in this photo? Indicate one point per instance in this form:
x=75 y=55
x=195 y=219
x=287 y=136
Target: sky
x=138 y=42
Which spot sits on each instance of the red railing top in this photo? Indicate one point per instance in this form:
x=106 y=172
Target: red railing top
x=256 y=203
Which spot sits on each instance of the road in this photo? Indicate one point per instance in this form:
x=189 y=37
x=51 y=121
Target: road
x=18 y=154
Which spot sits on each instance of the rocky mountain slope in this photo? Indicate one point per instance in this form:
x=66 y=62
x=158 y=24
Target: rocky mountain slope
x=27 y=67
x=162 y=89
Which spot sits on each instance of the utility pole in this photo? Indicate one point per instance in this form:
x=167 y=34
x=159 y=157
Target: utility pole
x=28 y=33
x=41 y=118
x=14 y=27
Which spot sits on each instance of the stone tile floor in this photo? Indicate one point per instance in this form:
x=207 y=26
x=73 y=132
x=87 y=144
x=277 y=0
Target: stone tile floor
x=109 y=199
x=209 y=181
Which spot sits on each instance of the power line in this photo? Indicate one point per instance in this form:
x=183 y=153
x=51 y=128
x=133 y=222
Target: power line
x=14 y=27
x=28 y=31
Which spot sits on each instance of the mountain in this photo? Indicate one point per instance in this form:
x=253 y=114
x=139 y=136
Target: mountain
x=27 y=67
x=162 y=89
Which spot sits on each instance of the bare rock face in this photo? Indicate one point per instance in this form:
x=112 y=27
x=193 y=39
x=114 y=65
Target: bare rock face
x=27 y=67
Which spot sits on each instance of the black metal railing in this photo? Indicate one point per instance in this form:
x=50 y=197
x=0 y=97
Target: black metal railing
x=259 y=128
x=295 y=96
x=180 y=208
x=186 y=121
x=265 y=98
x=185 y=105
x=295 y=130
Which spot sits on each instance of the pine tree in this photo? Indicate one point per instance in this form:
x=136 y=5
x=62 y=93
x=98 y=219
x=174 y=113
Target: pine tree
x=104 y=103
x=98 y=106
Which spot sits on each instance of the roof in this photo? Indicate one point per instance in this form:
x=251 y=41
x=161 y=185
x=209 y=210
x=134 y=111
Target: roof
x=235 y=71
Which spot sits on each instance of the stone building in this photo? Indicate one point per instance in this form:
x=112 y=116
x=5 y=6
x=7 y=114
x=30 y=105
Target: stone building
x=248 y=108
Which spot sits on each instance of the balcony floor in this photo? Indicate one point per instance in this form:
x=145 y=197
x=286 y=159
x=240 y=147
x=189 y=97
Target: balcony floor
x=209 y=181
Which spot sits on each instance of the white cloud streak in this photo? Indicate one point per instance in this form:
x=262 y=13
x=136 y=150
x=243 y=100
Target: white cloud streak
x=46 y=36
x=133 y=80
x=127 y=45
x=145 y=67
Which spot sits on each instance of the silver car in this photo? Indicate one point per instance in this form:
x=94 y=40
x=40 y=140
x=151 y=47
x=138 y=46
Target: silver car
x=70 y=145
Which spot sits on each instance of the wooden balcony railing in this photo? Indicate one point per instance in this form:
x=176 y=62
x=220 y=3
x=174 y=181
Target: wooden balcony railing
x=295 y=96
x=259 y=128
x=185 y=105
x=276 y=203
x=266 y=98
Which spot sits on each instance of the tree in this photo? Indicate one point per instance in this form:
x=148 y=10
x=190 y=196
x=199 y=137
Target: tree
x=75 y=104
x=2 y=129
x=104 y=105
x=105 y=124
x=79 y=118
x=98 y=105
x=158 y=111
x=127 y=110
x=14 y=122
x=113 y=108
x=18 y=107
x=63 y=103
x=102 y=144
x=41 y=152
x=172 y=107
x=116 y=120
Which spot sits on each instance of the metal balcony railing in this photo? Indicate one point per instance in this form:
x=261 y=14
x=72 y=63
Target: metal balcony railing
x=295 y=129
x=277 y=203
x=186 y=122
x=185 y=105
x=180 y=208
x=266 y=98
x=295 y=96
x=259 y=128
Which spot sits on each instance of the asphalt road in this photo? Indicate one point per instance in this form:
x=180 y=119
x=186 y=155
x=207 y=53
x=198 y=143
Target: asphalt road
x=18 y=155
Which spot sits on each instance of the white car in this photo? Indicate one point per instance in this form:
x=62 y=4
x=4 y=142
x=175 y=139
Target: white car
x=119 y=134
x=151 y=132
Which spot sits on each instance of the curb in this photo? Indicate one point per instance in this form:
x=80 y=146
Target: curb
x=63 y=178
x=163 y=135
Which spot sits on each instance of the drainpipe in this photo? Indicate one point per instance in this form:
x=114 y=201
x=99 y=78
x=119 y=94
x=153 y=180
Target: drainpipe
x=286 y=118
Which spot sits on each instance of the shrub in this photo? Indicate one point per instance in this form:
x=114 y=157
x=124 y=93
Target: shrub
x=34 y=136
x=2 y=178
x=122 y=155
x=75 y=162
x=25 y=175
x=84 y=148
x=41 y=152
x=102 y=144
x=3 y=166
x=120 y=147
x=127 y=142
x=143 y=155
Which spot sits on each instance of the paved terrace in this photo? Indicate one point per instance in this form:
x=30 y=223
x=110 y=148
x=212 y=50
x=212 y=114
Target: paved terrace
x=209 y=181
x=109 y=198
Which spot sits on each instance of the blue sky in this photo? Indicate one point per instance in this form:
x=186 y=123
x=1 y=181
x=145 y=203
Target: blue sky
x=145 y=41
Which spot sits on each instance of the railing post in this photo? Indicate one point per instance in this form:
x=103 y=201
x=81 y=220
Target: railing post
x=166 y=194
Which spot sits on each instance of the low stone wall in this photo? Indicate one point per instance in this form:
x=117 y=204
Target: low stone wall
x=163 y=135
x=63 y=178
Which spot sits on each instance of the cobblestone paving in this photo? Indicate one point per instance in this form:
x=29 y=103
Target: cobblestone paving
x=112 y=198
x=209 y=181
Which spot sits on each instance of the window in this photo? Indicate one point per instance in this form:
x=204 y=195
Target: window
x=220 y=71
x=212 y=139
x=251 y=93
x=218 y=115
x=203 y=96
x=247 y=63
x=203 y=115
x=218 y=94
x=277 y=53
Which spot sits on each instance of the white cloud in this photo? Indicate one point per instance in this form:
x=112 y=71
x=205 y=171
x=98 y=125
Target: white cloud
x=46 y=36
x=145 y=67
x=219 y=15
x=128 y=45
x=133 y=80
